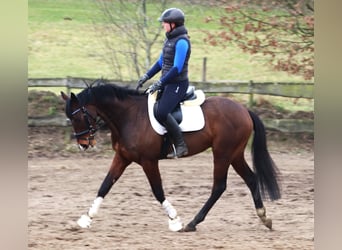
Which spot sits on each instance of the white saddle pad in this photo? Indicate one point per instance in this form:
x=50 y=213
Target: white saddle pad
x=193 y=119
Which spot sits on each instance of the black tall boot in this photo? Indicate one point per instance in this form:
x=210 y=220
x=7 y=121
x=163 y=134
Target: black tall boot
x=177 y=137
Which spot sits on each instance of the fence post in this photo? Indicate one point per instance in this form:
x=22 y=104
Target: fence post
x=204 y=69
x=68 y=130
x=67 y=85
x=251 y=95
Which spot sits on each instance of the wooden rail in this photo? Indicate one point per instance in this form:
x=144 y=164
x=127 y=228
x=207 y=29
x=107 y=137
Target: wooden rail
x=292 y=90
x=285 y=89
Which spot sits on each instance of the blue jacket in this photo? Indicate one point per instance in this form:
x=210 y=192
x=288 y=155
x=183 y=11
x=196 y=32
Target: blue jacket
x=173 y=61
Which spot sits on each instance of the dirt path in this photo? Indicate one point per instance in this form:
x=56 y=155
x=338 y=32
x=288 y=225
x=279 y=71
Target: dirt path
x=60 y=189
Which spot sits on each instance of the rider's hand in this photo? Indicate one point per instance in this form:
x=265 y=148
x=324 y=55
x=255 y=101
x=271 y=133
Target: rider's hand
x=155 y=86
x=142 y=80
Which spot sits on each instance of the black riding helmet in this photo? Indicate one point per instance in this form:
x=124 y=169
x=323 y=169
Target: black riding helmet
x=172 y=15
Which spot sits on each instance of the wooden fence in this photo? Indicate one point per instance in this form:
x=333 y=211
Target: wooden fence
x=283 y=89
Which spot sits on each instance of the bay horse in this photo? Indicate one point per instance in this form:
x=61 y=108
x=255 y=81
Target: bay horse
x=228 y=127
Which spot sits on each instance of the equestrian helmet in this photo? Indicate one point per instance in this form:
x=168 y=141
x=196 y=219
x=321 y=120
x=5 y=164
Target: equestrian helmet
x=172 y=15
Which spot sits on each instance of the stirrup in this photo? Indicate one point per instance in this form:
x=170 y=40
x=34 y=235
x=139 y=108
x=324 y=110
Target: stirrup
x=174 y=155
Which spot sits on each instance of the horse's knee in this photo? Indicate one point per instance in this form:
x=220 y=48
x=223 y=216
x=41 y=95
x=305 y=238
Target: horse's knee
x=106 y=185
x=220 y=188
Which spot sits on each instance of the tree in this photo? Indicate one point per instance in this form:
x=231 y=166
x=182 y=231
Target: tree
x=129 y=34
x=282 y=31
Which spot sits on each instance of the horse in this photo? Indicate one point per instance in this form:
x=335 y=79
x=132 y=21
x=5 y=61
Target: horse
x=228 y=127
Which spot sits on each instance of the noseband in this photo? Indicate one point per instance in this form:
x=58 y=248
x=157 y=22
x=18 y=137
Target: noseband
x=87 y=116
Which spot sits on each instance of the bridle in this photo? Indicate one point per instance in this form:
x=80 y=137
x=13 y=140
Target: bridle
x=90 y=128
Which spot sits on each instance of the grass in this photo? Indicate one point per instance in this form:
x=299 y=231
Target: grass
x=63 y=41
x=59 y=47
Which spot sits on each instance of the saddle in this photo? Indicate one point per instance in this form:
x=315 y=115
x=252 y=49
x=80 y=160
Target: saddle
x=188 y=112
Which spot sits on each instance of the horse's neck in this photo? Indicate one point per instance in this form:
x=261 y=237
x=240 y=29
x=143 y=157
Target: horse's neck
x=119 y=114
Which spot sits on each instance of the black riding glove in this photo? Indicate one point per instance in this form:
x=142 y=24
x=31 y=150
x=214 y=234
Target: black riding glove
x=155 y=86
x=142 y=80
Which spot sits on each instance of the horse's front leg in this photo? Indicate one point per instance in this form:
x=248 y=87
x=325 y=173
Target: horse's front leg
x=152 y=172
x=117 y=167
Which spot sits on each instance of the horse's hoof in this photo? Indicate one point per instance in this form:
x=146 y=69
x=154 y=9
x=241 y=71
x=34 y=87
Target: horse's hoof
x=268 y=223
x=189 y=228
x=84 y=221
x=175 y=225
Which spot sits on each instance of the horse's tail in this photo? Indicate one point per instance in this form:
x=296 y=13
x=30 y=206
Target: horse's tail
x=265 y=168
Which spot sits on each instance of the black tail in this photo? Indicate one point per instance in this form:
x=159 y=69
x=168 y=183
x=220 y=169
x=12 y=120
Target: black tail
x=265 y=168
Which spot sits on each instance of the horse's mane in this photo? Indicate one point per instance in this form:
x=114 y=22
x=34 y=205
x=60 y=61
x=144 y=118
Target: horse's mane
x=102 y=89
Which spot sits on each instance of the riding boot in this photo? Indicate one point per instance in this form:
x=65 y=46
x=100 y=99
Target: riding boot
x=176 y=135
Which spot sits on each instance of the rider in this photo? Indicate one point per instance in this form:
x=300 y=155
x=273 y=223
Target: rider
x=174 y=82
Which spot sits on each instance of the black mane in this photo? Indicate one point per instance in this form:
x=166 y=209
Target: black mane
x=103 y=90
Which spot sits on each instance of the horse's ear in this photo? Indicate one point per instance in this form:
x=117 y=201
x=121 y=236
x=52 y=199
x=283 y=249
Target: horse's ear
x=64 y=96
x=73 y=98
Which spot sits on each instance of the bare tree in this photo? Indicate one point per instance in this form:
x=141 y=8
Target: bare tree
x=129 y=34
x=282 y=31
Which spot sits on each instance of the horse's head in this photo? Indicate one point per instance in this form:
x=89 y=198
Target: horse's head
x=83 y=120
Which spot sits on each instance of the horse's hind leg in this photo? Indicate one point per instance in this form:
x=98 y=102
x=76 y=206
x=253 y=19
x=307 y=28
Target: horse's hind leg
x=241 y=167
x=219 y=186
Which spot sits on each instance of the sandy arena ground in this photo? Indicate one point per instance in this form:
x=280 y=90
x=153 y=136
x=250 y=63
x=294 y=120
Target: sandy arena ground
x=62 y=186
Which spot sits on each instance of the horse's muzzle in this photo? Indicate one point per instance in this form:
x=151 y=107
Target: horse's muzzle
x=85 y=142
